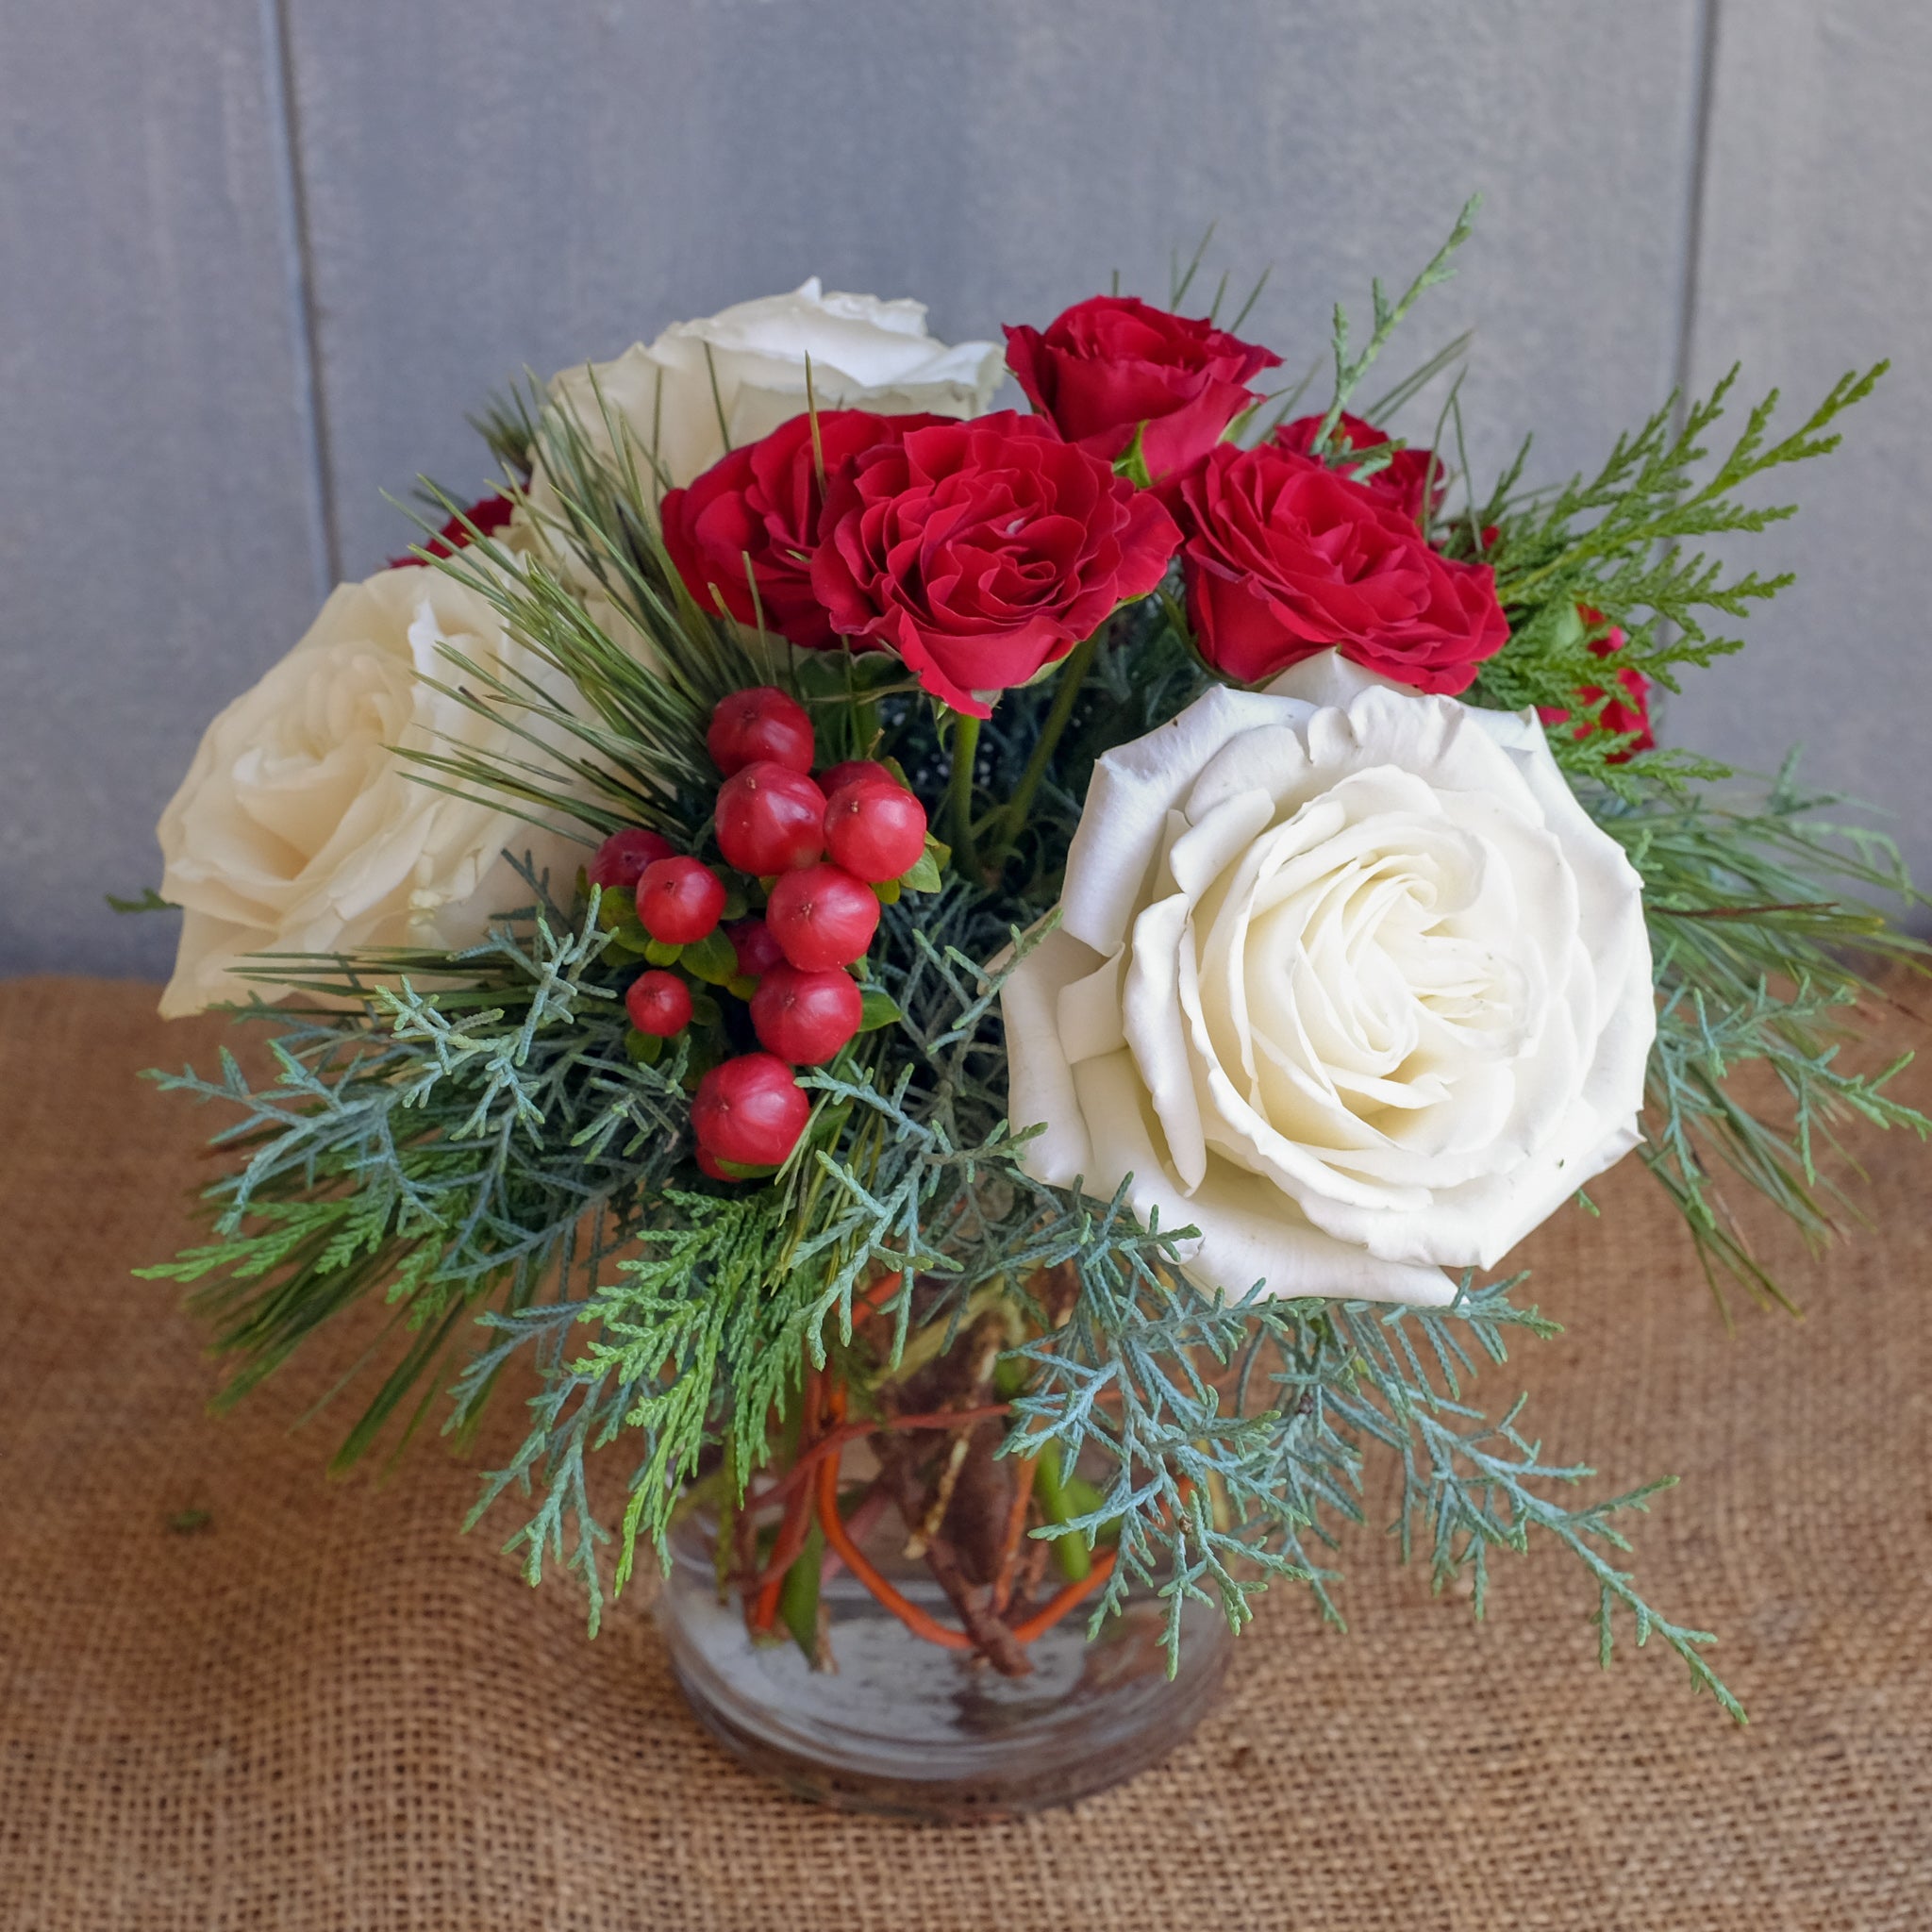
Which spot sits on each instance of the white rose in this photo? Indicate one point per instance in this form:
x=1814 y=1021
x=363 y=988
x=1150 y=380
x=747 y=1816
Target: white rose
x=1346 y=978
x=298 y=829
x=865 y=354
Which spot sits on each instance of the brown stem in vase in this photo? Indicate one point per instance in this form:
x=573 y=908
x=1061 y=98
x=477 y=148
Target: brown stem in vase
x=1023 y=1468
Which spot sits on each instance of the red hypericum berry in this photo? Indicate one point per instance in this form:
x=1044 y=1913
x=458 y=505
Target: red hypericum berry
x=679 y=901
x=658 y=1004
x=749 y=1110
x=754 y=726
x=758 y=950
x=769 y=819
x=622 y=856
x=821 y=917
x=806 y=1017
x=707 y=1165
x=875 y=831
x=855 y=771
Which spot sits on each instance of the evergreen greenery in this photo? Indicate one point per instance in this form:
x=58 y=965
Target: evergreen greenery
x=478 y=1143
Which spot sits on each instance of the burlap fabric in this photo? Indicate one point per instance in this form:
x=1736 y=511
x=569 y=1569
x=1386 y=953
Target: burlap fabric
x=324 y=1708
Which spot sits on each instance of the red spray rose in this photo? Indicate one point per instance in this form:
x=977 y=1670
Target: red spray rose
x=1110 y=364
x=762 y=501
x=1285 y=556
x=1630 y=712
x=1400 y=482
x=488 y=514
x=981 y=551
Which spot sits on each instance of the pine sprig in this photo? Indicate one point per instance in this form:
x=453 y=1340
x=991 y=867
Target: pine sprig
x=1619 y=543
x=1387 y=317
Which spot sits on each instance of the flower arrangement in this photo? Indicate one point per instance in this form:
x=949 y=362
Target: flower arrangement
x=1063 y=947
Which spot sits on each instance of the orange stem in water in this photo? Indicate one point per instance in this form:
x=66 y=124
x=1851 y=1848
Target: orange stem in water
x=854 y=1560
x=834 y=1439
x=1056 y=1606
x=1016 y=1530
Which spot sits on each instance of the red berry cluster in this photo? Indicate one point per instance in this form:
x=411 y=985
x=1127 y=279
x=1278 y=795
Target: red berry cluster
x=818 y=846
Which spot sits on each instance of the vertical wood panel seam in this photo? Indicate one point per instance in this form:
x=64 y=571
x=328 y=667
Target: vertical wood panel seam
x=299 y=278
x=1704 y=87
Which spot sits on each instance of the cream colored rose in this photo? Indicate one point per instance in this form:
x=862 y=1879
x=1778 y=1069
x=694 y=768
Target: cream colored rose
x=298 y=829
x=865 y=354
x=1346 y=978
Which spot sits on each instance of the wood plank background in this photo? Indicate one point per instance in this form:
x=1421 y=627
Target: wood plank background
x=257 y=257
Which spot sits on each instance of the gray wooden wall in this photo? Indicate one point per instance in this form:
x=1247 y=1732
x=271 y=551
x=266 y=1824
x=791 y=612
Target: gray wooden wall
x=259 y=256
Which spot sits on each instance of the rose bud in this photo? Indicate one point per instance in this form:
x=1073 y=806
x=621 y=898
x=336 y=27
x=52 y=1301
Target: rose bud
x=752 y=519
x=749 y=1111
x=821 y=917
x=981 y=552
x=621 y=859
x=679 y=901
x=658 y=1004
x=1114 y=367
x=806 y=1017
x=764 y=723
x=1286 y=559
x=769 y=819
x=1401 y=481
x=875 y=831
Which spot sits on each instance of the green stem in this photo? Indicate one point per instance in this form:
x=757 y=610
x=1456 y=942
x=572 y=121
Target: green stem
x=1069 y=1551
x=959 y=798
x=798 y=1596
x=1072 y=677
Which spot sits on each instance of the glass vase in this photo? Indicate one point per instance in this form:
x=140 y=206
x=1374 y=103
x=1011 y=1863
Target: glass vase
x=881 y=1718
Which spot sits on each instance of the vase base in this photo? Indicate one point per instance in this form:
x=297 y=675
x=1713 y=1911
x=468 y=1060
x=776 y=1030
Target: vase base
x=986 y=1799
x=889 y=1724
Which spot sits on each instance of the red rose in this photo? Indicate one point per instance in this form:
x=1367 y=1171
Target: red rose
x=1619 y=715
x=1285 y=556
x=1110 y=365
x=762 y=501
x=981 y=551
x=1400 y=482
x=489 y=515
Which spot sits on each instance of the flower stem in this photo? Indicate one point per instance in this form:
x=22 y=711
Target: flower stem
x=1058 y=1606
x=959 y=806
x=1073 y=676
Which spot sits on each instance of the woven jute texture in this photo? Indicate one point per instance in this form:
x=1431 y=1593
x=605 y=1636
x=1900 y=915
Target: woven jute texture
x=235 y=1694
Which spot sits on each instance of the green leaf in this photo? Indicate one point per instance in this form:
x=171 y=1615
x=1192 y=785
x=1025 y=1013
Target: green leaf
x=739 y=1172
x=643 y=1049
x=658 y=954
x=712 y=959
x=887 y=890
x=150 y=901
x=924 y=876
x=619 y=911
x=877 y=1010
x=705 y=1011
x=1132 y=461
x=798 y=1596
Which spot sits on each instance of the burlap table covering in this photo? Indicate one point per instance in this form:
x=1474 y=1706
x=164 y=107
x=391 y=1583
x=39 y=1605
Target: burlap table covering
x=323 y=1708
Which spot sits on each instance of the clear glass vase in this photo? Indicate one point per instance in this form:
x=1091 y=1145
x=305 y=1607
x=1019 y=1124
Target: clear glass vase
x=881 y=1717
